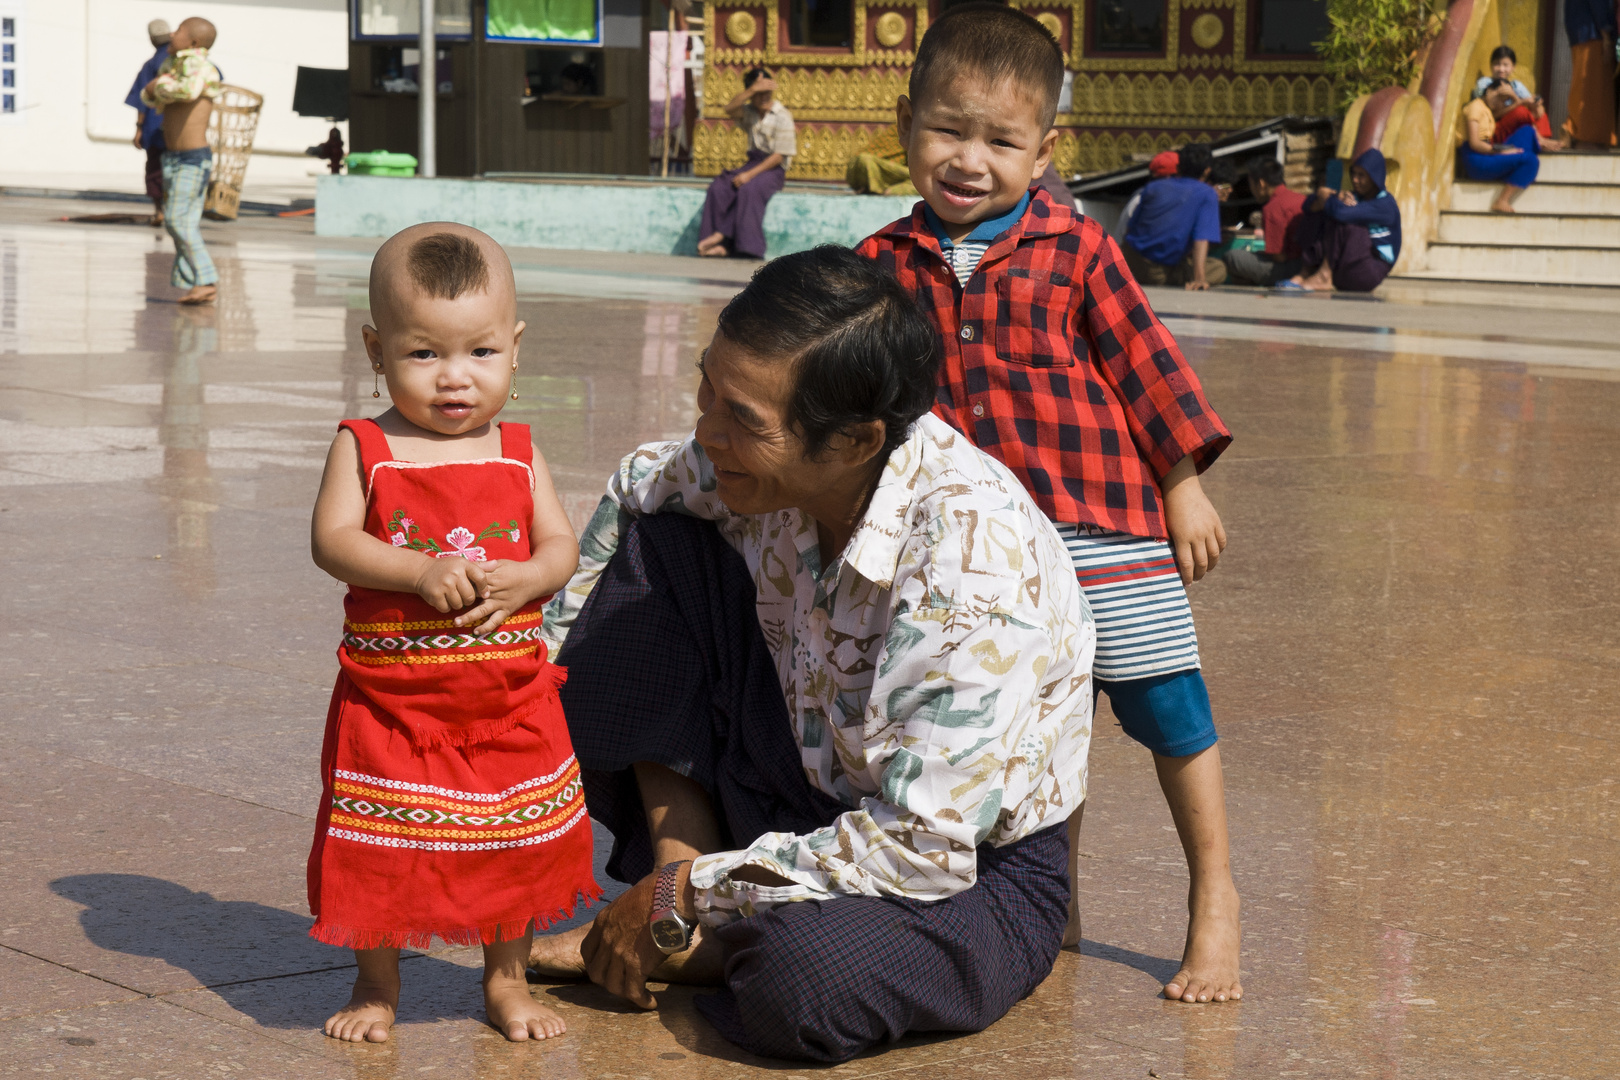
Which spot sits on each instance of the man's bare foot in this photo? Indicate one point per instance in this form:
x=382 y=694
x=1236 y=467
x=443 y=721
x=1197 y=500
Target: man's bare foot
x=514 y=1012
x=157 y=221
x=1502 y=206
x=717 y=252
x=1209 y=967
x=370 y=1012
x=556 y=956
x=200 y=294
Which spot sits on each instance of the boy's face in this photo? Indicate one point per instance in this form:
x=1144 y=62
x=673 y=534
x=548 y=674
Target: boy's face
x=1503 y=68
x=1262 y=190
x=181 y=39
x=974 y=148
x=448 y=363
x=1361 y=182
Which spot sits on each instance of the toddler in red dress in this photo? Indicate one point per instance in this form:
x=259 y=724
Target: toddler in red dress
x=451 y=802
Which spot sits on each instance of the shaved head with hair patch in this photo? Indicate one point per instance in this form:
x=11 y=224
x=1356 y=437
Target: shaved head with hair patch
x=199 y=31
x=440 y=260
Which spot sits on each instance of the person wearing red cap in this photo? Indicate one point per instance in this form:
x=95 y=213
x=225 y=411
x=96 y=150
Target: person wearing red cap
x=1164 y=164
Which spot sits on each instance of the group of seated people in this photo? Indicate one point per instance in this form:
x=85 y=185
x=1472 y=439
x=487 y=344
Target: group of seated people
x=1332 y=239
x=1339 y=237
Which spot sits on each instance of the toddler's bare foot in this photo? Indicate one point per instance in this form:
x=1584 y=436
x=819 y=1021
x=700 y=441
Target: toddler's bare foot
x=514 y=1012
x=200 y=294
x=1209 y=967
x=556 y=956
x=369 y=1014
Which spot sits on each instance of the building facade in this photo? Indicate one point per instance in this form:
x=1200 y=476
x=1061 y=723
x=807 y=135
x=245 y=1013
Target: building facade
x=1144 y=75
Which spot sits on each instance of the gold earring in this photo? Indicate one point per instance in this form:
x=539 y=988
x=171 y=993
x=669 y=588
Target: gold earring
x=514 y=382
x=376 y=374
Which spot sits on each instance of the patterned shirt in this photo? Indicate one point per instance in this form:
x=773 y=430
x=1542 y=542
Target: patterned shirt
x=1056 y=365
x=188 y=75
x=770 y=132
x=937 y=673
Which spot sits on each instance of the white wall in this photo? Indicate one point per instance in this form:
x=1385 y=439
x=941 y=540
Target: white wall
x=79 y=58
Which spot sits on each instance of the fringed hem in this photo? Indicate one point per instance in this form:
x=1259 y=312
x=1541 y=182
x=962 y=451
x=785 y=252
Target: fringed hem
x=353 y=937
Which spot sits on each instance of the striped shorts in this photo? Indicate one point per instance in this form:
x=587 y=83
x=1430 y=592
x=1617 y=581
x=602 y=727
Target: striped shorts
x=1144 y=624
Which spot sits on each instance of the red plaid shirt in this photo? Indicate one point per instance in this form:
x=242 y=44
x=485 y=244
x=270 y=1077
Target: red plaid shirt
x=1055 y=364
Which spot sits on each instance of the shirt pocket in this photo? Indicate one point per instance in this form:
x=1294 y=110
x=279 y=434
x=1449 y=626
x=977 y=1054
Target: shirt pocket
x=1032 y=318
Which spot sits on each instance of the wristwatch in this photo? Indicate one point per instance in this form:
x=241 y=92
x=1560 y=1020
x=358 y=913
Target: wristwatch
x=671 y=933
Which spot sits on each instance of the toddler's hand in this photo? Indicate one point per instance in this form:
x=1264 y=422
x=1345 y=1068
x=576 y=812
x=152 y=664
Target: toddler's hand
x=1196 y=536
x=503 y=586
x=448 y=583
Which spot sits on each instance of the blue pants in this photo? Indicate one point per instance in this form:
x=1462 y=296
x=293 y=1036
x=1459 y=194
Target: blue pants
x=1516 y=169
x=1168 y=714
x=185 y=187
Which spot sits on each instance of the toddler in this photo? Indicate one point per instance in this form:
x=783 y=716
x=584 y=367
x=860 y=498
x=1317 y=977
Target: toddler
x=451 y=801
x=1055 y=364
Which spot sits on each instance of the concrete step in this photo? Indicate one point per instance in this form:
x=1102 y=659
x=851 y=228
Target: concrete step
x=1537 y=230
x=1542 y=198
x=1580 y=168
x=1545 y=264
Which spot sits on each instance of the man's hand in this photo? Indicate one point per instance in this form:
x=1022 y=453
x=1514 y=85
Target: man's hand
x=741 y=178
x=1347 y=197
x=506 y=586
x=1197 y=284
x=449 y=583
x=138 y=145
x=1196 y=536
x=619 y=952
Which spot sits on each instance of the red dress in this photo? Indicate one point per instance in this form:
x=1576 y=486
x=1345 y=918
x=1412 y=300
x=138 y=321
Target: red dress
x=451 y=802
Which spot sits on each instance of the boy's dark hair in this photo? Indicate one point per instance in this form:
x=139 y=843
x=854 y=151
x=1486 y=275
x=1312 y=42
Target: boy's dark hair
x=1504 y=52
x=1268 y=170
x=1194 y=159
x=753 y=75
x=1223 y=172
x=861 y=348
x=446 y=265
x=997 y=42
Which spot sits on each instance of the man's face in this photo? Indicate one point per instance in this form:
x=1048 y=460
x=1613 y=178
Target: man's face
x=1502 y=69
x=762 y=101
x=974 y=148
x=1262 y=190
x=1362 y=183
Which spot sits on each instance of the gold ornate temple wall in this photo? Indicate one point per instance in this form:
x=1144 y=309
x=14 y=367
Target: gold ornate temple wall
x=1203 y=83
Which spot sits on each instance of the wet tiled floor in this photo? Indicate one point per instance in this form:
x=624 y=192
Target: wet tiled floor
x=1411 y=644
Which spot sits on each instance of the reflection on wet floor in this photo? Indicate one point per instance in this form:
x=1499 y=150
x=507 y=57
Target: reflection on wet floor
x=1411 y=645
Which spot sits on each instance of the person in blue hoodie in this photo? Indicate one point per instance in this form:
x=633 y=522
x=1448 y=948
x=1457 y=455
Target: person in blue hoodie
x=1349 y=240
x=149 y=122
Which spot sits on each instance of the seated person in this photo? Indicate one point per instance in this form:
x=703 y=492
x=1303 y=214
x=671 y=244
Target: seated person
x=1349 y=240
x=1514 y=162
x=1503 y=59
x=1163 y=164
x=835 y=732
x=1279 y=226
x=734 y=208
x=1168 y=238
x=879 y=166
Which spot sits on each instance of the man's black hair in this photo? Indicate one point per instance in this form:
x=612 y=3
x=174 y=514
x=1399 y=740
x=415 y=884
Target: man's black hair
x=1503 y=52
x=1269 y=170
x=1194 y=158
x=861 y=349
x=753 y=75
x=1223 y=172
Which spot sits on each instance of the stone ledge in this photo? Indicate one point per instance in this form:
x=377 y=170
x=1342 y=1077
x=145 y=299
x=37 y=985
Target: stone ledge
x=654 y=219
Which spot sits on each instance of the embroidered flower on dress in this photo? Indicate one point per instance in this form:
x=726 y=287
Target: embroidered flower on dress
x=461 y=538
x=398 y=539
x=515 y=534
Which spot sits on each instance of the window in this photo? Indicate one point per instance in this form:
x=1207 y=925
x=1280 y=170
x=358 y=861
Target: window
x=1289 y=27
x=1134 y=26
x=394 y=19
x=570 y=21
x=821 y=23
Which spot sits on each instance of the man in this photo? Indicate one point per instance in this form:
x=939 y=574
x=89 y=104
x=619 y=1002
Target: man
x=149 y=122
x=1279 y=224
x=829 y=683
x=184 y=92
x=1590 y=26
x=1167 y=241
x=1349 y=240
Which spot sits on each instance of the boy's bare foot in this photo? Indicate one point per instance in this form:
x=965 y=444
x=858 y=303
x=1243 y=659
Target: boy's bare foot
x=200 y=294
x=1209 y=967
x=514 y=1012
x=370 y=1012
x=556 y=956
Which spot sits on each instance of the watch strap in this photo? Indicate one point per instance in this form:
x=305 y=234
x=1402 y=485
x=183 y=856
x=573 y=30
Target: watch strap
x=664 y=888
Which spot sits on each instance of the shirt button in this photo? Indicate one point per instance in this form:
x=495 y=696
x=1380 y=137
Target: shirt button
x=967 y=333
x=978 y=410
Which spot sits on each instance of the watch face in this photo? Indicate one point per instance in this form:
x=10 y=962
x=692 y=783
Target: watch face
x=669 y=935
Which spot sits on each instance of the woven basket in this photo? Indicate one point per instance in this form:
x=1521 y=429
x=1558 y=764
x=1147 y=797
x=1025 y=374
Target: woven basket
x=230 y=137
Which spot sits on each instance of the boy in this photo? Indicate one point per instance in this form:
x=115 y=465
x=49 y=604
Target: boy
x=1281 y=207
x=1055 y=365
x=184 y=92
